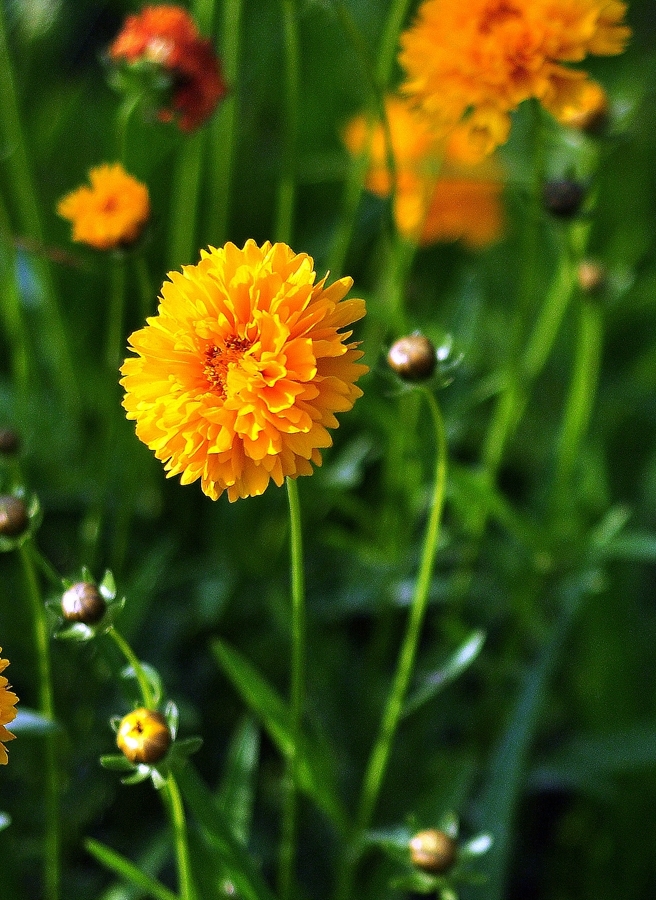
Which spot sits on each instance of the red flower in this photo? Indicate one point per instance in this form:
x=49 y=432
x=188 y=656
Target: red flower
x=167 y=37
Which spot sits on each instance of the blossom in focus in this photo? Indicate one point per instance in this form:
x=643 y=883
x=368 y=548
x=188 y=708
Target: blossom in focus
x=111 y=213
x=436 y=197
x=238 y=377
x=166 y=38
x=468 y=65
x=8 y=701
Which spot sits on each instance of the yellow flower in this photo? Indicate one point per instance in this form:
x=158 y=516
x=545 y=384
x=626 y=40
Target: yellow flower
x=437 y=197
x=111 y=213
x=470 y=64
x=8 y=701
x=240 y=374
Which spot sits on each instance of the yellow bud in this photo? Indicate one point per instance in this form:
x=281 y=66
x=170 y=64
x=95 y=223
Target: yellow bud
x=144 y=736
x=433 y=851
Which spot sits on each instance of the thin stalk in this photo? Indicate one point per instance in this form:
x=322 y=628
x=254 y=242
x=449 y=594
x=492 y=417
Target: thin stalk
x=137 y=668
x=379 y=758
x=184 y=206
x=20 y=183
x=11 y=311
x=146 y=292
x=582 y=391
x=355 y=182
x=287 y=184
x=114 y=347
x=297 y=692
x=224 y=129
x=180 y=838
x=51 y=873
x=123 y=116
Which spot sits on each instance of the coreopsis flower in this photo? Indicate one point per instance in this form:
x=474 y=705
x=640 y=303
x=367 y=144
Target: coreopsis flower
x=469 y=65
x=8 y=701
x=239 y=376
x=111 y=213
x=437 y=198
x=166 y=39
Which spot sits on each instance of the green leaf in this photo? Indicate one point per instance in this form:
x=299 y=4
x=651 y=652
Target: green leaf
x=153 y=676
x=237 y=792
x=457 y=663
x=116 y=762
x=314 y=775
x=29 y=721
x=5 y=821
x=634 y=546
x=122 y=867
x=231 y=855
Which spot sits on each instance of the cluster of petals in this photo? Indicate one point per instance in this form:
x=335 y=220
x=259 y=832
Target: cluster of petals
x=109 y=213
x=436 y=198
x=468 y=65
x=167 y=37
x=239 y=376
x=8 y=701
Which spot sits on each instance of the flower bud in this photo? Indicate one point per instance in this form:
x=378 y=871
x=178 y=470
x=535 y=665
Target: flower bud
x=13 y=516
x=84 y=603
x=591 y=276
x=412 y=358
x=433 y=851
x=144 y=736
x=9 y=442
x=563 y=197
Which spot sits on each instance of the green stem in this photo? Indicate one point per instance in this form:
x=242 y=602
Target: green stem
x=123 y=116
x=20 y=183
x=180 y=838
x=137 y=668
x=146 y=292
x=224 y=129
x=380 y=754
x=12 y=314
x=47 y=569
x=355 y=182
x=580 y=399
x=297 y=691
x=47 y=710
x=287 y=184
x=184 y=206
x=115 y=344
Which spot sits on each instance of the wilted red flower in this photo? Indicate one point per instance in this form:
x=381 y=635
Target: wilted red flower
x=167 y=37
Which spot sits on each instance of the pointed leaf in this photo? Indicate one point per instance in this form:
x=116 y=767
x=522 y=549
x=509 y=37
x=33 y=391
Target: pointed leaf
x=5 y=821
x=231 y=855
x=29 y=721
x=237 y=791
x=314 y=778
x=116 y=762
x=122 y=867
x=457 y=663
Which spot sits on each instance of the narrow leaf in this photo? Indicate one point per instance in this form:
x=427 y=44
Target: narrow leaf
x=122 y=867
x=237 y=791
x=457 y=663
x=28 y=721
x=231 y=855
x=314 y=778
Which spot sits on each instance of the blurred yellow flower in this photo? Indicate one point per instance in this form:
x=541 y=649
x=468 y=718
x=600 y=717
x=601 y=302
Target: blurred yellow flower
x=469 y=65
x=240 y=374
x=111 y=213
x=8 y=701
x=437 y=198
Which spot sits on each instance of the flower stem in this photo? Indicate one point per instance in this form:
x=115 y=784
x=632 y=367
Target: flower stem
x=357 y=173
x=581 y=395
x=223 y=130
x=378 y=760
x=184 y=206
x=288 y=842
x=287 y=184
x=114 y=348
x=180 y=838
x=47 y=710
x=137 y=668
x=19 y=179
x=146 y=291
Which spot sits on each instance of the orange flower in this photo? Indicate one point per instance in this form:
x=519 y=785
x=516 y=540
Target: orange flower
x=111 y=213
x=437 y=198
x=479 y=59
x=8 y=701
x=167 y=37
x=240 y=374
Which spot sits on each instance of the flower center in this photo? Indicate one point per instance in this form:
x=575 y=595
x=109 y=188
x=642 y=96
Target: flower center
x=218 y=360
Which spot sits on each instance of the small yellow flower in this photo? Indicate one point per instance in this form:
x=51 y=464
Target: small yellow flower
x=8 y=701
x=111 y=213
x=239 y=376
